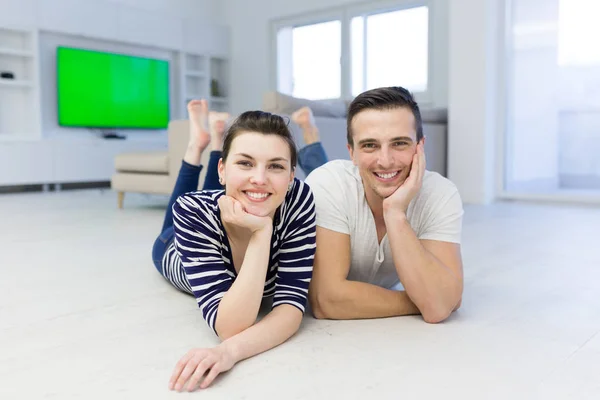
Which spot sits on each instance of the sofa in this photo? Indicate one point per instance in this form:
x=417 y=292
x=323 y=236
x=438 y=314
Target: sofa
x=154 y=172
x=330 y=117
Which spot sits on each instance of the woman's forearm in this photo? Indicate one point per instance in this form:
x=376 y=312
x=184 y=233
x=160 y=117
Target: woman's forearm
x=239 y=307
x=275 y=328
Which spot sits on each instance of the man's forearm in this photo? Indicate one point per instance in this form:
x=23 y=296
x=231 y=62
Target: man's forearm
x=433 y=287
x=239 y=307
x=359 y=300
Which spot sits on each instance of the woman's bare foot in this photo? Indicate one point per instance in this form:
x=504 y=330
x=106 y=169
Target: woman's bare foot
x=217 y=122
x=199 y=136
x=306 y=121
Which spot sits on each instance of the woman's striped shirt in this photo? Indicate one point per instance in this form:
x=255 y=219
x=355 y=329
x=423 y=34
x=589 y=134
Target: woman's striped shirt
x=199 y=259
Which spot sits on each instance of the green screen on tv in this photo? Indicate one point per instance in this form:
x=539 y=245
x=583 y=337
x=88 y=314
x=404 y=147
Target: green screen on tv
x=106 y=90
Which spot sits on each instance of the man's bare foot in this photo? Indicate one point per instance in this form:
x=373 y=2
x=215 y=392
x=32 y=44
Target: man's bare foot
x=217 y=122
x=199 y=135
x=306 y=121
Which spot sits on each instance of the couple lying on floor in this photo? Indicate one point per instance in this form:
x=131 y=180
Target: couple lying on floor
x=377 y=236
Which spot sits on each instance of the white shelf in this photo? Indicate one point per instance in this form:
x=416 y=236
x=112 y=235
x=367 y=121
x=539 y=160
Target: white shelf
x=15 y=83
x=195 y=74
x=15 y=53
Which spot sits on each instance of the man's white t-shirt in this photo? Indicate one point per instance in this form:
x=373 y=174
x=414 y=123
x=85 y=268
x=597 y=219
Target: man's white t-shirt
x=435 y=213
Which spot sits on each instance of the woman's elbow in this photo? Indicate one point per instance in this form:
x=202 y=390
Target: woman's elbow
x=225 y=332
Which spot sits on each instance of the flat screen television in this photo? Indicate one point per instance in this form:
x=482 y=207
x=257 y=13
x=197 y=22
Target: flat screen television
x=107 y=90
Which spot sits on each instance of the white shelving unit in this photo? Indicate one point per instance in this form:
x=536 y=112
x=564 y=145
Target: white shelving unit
x=219 y=84
x=204 y=77
x=19 y=96
x=195 y=74
x=7 y=51
x=15 y=83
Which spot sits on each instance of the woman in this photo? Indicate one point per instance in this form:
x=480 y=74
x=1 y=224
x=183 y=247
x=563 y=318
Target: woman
x=310 y=157
x=220 y=245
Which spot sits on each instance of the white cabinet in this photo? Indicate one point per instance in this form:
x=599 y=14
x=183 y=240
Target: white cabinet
x=23 y=163
x=93 y=160
x=64 y=161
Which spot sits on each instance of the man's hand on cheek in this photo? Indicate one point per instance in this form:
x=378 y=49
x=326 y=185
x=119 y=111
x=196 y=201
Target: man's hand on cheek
x=398 y=201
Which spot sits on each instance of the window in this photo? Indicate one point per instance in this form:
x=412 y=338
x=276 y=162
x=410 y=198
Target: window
x=314 y=71
x=396 y=51
x=578 y=29
x=553 y=118
x=354 y=49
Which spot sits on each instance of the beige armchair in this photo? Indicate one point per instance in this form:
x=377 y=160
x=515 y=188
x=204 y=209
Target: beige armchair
x=154 y=172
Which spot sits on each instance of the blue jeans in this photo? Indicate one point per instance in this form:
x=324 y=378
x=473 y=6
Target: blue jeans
x=187 y=181
x=311 y=157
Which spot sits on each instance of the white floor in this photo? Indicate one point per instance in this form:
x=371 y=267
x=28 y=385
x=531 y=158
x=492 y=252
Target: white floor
x=84 y=314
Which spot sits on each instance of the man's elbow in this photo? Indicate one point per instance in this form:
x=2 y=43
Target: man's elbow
x=436 y=315
x=320 y=313
x=322 y=306
x=317 y=307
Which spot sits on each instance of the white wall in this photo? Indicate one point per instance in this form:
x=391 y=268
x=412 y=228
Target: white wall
x=250 y=25
x=473 y=108
x=196 y=25
x=532 y=120
x=145 y=27
x=37 y=13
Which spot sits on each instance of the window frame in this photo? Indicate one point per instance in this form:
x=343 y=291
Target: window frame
x=345 y=14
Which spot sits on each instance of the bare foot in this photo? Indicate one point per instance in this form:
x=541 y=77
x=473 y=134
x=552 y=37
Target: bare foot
x=199 y=136
x=306 y=121
x=217 y=122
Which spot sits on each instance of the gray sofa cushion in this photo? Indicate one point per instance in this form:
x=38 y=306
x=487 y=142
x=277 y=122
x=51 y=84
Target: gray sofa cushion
x=282 y=104
x=434 y=115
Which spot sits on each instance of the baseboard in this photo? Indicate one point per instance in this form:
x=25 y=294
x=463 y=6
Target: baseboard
x=21 y=188
x=47 y=187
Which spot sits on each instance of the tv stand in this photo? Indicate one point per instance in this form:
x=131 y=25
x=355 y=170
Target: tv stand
x=112 y=135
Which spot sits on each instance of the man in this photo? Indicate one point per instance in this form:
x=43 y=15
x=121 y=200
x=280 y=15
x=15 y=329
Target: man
x=388 y=231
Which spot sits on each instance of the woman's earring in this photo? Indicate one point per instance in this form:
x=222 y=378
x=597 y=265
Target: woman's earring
x=290 y=186
x=221 y=181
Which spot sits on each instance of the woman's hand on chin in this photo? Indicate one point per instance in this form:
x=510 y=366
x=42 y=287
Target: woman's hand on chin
x=233 y=213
